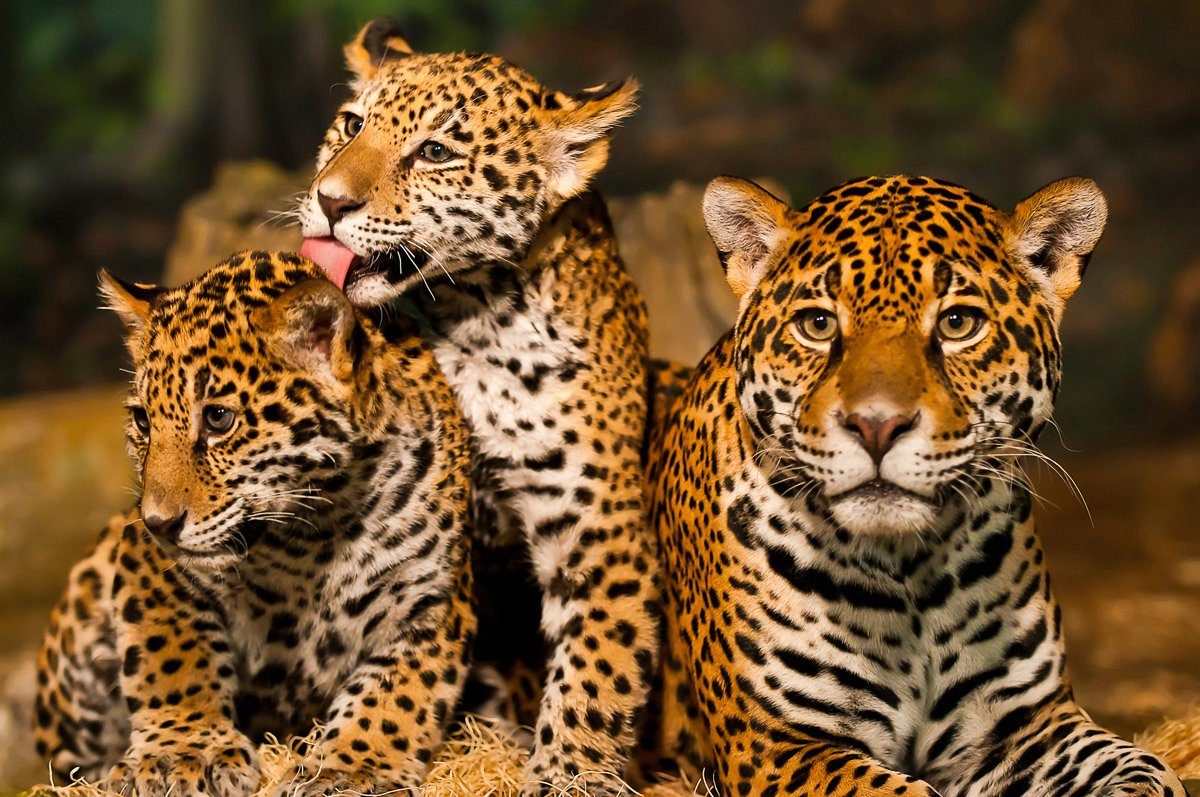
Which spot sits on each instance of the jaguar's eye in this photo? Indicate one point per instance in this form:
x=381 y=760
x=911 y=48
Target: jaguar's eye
x=816 y=325
x=352 y=123
x=435 y=152
x=218 y=420
x=141 y=419
x=959 y=323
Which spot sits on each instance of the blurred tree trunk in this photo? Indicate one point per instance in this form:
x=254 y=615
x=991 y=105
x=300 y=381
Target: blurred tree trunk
x=306 y=62
x=181 y=87
x=238 y=101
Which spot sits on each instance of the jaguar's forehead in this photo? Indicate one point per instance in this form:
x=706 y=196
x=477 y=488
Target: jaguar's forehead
x=884 y=242
x=209 y=323
x=469 y=81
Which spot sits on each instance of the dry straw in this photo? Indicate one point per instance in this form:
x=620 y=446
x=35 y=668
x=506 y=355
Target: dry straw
x=483 y=760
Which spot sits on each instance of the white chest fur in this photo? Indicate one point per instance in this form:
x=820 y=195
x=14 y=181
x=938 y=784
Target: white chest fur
x=511 y=372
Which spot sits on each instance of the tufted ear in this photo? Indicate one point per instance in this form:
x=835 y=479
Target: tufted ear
x=132 y=302
x=314 y=327
x=379 y=40
x=577 y=129
x=1055 y=230
x=747 y=225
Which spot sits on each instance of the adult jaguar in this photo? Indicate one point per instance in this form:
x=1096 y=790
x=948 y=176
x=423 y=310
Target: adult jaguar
x=857 y=600
x=300 y=552
x=462 y=180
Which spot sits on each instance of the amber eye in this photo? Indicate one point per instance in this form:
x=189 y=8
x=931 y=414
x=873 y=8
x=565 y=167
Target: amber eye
x=959 y=323
x=141 y=419
x=435 y=152
x=816 y=325
x=218 y=420
x=352 y=123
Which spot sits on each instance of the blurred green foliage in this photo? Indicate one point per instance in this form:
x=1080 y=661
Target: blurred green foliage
x=116 y=111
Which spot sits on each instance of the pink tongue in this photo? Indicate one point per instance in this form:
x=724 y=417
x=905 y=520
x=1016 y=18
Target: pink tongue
x=330 y=255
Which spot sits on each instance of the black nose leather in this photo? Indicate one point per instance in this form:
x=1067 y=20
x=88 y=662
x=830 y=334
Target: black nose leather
x=335 y=208
x=877 y=434
x=167 y=528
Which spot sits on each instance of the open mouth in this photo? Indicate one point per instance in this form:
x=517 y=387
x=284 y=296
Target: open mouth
x=344 y=268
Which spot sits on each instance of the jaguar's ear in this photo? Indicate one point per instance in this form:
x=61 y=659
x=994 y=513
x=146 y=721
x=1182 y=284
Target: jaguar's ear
x=314 y=327
x=132 y=302
x=379 y=40
x=747 y=225
x=1054 y=232
x=577 y=129
x=129 y=300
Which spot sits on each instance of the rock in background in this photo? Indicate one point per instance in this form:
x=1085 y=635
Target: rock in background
x=247 y=207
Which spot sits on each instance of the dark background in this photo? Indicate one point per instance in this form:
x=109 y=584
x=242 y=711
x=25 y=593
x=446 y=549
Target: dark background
x=116 y=111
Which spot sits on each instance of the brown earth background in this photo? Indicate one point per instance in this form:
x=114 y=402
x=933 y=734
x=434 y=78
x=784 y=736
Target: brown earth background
x=154 y=138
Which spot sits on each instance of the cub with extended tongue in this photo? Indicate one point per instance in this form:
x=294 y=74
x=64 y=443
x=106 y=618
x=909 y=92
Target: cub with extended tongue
x=462 y=178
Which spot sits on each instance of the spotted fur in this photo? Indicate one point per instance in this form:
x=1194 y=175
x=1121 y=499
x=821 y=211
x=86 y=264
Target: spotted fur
x=460 y=179
x=858 y=602
x=306 y=563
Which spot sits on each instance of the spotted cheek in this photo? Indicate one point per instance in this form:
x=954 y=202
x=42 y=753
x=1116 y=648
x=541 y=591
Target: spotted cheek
x=334 y=141
x=137 y=450
x=819 y=426
x=777 y=399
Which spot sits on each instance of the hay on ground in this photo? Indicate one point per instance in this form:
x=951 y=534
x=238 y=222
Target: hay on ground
x=483 y=760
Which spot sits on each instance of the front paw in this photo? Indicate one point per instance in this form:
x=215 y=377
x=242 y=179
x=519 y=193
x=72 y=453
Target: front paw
x=559 y=779
x=221 y=764
x=315 y=780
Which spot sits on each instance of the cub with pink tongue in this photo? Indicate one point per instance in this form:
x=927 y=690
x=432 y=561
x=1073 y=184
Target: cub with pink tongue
x=543 y=337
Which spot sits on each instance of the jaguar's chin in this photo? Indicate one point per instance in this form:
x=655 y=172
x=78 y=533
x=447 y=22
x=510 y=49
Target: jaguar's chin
x=212 y=550
x=882 y=508
x=210 y=559
x=376 y=290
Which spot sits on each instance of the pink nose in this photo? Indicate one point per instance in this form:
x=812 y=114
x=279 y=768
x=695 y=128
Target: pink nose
x=877 y=434
x=335 y=207
x=167 y=527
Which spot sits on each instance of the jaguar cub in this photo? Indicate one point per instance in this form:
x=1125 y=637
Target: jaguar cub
x=299 y=554
x=858 y=601
x=461 y=180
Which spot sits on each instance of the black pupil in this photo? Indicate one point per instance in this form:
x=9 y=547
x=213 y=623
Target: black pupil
x=218 y=418
x=435 y=150
x=141 y=419
x=354 y=124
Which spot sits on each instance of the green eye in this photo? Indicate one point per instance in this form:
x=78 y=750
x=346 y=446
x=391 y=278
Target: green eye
x=218 y=420
x=817 y=325
x=141 y=419
x=435 y=152
x=352 y=123
x=959 y=323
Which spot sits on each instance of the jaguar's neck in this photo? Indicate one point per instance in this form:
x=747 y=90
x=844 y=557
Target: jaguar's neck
x=576 y=233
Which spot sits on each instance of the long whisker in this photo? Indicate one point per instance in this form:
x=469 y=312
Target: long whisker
x=1017 y=450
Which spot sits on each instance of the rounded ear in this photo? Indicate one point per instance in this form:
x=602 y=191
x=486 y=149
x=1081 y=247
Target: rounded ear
x=1055 y=230
x=747 y=224
x=379 y=40
x=577 y=129
x=313 y=326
